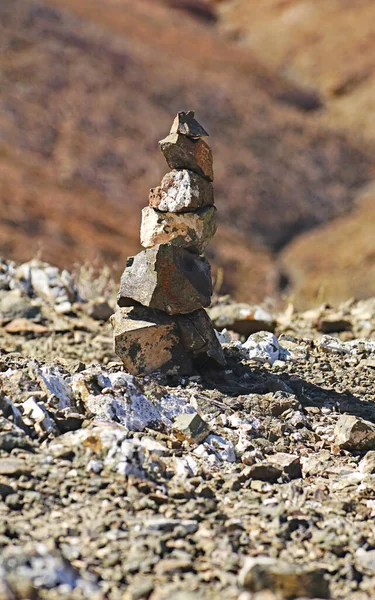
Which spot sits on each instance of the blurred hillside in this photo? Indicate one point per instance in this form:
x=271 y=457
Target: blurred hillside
x=87 y=89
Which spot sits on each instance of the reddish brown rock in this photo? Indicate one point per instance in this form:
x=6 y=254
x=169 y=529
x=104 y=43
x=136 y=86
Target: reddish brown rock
x=147 y=340
x=167 y=278
x=186 y=124
x=192 y=230
x=182 y=191
x=182 y=152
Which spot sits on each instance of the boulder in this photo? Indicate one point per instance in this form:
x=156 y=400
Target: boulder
x=182 y=152
x=186 y=124
x=192 y=230
x=182 y=191
x=168 y=278
x=148 y=340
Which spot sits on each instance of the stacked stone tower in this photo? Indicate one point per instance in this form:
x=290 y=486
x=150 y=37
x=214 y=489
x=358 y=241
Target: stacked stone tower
x=161 y=323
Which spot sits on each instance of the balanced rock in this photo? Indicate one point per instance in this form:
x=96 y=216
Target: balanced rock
x=192 y=230
x=148 y=340
x=182 y=191
x=186 y=124
x=182 y=152
x=167 y=278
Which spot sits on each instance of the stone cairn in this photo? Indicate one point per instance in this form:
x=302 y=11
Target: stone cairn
x=161 y=323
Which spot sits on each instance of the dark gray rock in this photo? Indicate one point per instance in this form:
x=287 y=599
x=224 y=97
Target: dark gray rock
x=13 y=306
x=186 y=124
x=191 y=427
x=167 y=278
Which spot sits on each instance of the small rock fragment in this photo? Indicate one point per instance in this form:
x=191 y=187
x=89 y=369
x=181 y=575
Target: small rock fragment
x=365 y=561
x=262 y=347
x=13 y=467
x=182 y=152
x=167 y=278
x=192 y=230
x=353 y=433
x=289 y=463
x=367 y=464
x=186 y=124
x=14 y=306
x=333 y=324
x=98 y=309
x=39 y=417
x=181 y=191
x=191 y=427
x=23 y=325
x=242 y=318
x=264 y=471
x=290 y=580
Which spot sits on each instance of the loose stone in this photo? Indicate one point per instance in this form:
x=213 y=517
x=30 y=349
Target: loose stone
x=191 y=427
x=186 y=124
x=352 y=433
x=290 y=580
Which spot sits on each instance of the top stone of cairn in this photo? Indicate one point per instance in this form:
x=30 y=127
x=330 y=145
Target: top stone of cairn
x=186 y=124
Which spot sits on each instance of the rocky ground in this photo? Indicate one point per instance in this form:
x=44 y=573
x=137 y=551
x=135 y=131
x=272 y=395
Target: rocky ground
x=255 y=481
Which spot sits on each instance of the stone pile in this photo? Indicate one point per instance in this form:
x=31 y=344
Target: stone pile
x=162 y=323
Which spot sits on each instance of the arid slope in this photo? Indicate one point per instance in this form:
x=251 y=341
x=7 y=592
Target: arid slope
x=86 y=94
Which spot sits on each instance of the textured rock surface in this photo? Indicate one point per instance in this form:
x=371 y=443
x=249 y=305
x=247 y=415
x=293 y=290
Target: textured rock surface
x=291 y=581
x=240 y=317
x=181 y=191
x=181 y=152
x=186 y=124
x=167 y=278
x=147 y=341
x=192 y=230
x=199 y=336
x=352 y=433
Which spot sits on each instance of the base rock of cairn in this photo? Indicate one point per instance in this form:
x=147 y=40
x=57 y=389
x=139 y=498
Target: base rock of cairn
x=161 y=323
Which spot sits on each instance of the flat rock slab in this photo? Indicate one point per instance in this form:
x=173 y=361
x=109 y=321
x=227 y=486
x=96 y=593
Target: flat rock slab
x=182 y=152
x=182 y=191
x=148 y=341
x=167 y=278
x=192 y=230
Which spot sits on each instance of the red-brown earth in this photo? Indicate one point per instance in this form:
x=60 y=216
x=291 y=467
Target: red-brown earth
x=87 y=89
